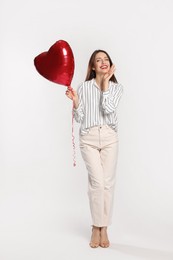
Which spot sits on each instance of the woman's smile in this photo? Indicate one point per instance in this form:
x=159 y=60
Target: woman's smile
x=104 y=66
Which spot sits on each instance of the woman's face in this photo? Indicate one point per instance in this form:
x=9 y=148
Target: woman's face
x=101 y=63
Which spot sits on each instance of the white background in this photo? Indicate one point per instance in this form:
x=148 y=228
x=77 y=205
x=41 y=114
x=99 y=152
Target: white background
x=44 y=211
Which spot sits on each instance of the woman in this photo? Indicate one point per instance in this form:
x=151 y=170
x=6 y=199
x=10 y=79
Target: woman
x=95 y=106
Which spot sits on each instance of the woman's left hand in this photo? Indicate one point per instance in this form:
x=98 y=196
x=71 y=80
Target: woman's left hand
x=110 y=73
x=107 y=77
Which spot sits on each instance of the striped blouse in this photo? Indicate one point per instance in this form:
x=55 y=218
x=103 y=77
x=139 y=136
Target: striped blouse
x=97 y=107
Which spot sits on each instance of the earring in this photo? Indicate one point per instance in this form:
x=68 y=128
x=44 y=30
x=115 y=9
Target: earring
x=93 y=73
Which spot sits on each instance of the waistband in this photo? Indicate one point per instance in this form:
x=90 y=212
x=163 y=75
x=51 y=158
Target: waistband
x=96 y=128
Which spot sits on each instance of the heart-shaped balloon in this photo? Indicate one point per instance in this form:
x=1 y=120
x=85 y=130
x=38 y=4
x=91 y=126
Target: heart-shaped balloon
x=57 y=64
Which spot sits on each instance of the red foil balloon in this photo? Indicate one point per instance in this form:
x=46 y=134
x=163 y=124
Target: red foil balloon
x=57 y=64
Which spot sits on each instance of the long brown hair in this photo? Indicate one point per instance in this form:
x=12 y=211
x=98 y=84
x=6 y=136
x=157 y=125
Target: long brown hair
x=91 y=73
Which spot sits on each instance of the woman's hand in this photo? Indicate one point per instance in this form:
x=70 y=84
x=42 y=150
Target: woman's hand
x=107 y=77
x=72 y=94
x=110 y=73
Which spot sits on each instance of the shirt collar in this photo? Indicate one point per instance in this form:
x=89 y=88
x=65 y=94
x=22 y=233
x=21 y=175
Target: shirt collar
x=95 y=84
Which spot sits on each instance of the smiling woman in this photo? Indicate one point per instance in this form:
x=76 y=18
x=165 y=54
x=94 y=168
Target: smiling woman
x=99 y=58
x=95 y=106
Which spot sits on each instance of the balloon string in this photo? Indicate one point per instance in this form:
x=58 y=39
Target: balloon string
x=73 y=142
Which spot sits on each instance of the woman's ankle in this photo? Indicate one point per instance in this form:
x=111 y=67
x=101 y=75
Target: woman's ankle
x=96 y=228
x=104 y=228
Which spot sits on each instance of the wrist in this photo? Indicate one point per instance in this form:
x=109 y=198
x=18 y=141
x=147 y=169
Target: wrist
x=104 y=89
x=76 y=103
x=105 y=85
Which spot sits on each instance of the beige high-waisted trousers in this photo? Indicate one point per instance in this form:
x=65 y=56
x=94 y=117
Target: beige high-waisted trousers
x=99 y=149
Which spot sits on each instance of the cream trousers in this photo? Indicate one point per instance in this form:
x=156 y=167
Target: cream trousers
x=99 y=149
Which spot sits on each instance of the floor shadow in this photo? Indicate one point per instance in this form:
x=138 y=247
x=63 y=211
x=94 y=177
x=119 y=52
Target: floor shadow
x=145 y=253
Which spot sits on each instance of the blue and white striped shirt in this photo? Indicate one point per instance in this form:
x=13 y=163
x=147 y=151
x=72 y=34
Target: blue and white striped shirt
x=97 y=107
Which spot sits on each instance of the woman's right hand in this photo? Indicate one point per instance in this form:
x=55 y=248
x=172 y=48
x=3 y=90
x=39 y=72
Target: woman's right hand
x=72 y=94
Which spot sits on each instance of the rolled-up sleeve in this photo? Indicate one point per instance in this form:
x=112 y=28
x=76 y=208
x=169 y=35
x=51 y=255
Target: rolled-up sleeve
x=110 y=99
x=78 y=112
